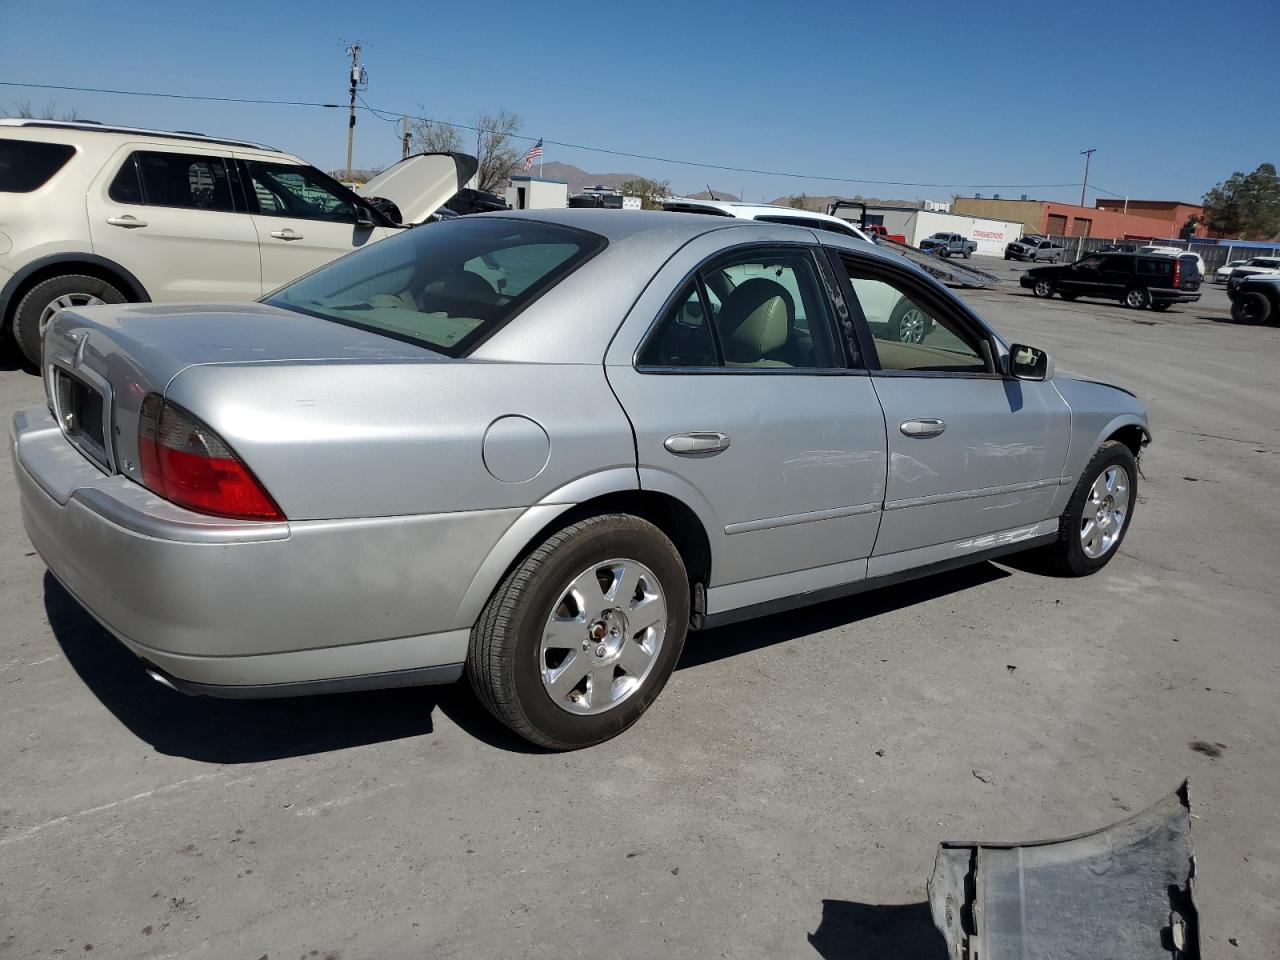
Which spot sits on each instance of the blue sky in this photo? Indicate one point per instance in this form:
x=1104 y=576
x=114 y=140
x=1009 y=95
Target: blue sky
x=1174 y=96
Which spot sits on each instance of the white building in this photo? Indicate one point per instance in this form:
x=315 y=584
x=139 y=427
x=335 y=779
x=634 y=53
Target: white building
x=916 y=224
x=537 y=193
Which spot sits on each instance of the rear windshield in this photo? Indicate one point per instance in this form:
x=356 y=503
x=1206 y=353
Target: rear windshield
x=28 y=164
x=445 y=285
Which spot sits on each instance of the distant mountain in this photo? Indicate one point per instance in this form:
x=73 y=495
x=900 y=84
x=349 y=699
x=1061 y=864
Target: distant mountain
x=713 y=195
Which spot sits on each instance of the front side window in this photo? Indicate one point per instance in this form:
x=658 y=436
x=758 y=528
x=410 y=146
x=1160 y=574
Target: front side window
x=26 y=165
x=159 y=179
x=757 y=311
x=289 y=190
x=910 y=334
x=1089 y=263
x=445 y=286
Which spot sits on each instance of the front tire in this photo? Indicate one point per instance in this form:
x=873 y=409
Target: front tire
x=1137 y=298
x=1099 y=512
x=582 y=636
x=1252 y=306
x=1043 y=289
x=39 y=305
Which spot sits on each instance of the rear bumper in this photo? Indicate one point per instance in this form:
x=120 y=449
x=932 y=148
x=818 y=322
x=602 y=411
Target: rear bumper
x=1173 y=296
x=252 y=609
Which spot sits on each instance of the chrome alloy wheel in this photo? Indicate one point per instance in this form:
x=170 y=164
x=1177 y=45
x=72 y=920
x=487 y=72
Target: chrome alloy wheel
x=1104 y=512
x=1043 y=288
x=65 y=301
x=1136 y=298
x=911 y=326
x=603 y=636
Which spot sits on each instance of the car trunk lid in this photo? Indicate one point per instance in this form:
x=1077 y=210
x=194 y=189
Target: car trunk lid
x=100 y=363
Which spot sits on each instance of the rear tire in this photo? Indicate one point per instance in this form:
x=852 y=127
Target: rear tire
x=968 y=254
x=1071 y=554
x=526 y=641
x=1137 y=298
x=39 y=305
x=908 y=323
x=1251 y=307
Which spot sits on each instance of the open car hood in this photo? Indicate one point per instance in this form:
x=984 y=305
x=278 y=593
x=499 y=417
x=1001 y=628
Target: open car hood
x=421 y=184
x=1125 y=891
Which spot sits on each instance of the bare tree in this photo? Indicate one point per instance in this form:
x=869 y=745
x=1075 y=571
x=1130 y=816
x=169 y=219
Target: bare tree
x=23 y=111
x=497 y=155
x=433 y=136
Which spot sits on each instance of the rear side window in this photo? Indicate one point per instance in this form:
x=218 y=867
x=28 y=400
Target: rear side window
x=445 y=286
x=26 y=165
x=189 y=181
x=1162 y=267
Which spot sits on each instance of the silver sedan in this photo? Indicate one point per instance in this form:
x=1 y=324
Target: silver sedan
x=539 y=448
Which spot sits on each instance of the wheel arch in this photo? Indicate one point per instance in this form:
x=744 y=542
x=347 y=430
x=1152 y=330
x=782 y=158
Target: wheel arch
x=675 y=518
x=59 y=264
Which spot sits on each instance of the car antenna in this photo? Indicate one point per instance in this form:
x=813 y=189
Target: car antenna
x=712 y=192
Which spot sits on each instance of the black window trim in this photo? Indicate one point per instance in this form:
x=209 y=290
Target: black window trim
x=237 y=205
x=826 y=287
x=914 y=285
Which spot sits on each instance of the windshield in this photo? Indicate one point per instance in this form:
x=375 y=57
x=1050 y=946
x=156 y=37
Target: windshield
x=445 y=286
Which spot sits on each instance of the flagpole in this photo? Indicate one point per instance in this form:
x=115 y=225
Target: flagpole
x=539 y=160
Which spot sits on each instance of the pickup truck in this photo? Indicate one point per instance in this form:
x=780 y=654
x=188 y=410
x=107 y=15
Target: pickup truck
x=878 y=230
x=946 y=244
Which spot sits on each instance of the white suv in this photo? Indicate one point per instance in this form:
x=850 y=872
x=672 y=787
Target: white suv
x=98 y=214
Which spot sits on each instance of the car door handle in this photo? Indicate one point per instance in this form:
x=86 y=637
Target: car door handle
x=921 y=429
x=288 y=233
x=128 y=221
x=690 y=444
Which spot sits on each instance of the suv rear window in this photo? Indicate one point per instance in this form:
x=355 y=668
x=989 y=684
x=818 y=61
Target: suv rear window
x=28 y=164
x=445 y=286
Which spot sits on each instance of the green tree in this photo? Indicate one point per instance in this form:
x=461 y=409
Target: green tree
x=1245 y=206
x=650 y=192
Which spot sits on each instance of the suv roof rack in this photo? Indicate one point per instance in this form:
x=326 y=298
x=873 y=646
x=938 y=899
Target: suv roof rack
x=96 y=126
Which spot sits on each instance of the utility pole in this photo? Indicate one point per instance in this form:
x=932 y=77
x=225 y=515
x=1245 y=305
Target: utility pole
x=404 y=139
x=359 y=78
x=1088 y=155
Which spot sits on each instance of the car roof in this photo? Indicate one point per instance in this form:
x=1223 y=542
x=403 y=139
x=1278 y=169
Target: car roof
x=91 y=126
x=747 y=211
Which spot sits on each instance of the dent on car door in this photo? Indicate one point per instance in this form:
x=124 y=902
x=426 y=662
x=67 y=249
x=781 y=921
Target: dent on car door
x=173 y=219
x=745 y=406
x=301 y=219
x=975 y=459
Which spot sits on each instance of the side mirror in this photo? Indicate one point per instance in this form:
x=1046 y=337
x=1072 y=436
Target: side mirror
x=1029 y=363
x=364 y=218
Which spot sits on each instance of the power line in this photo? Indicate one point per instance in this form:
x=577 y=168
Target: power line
x=267 y=101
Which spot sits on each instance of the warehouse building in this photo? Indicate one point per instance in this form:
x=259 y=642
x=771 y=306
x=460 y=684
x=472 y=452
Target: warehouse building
x=1143 y=219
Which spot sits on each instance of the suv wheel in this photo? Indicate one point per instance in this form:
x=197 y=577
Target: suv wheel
x=908 y=323
x=581 y=637
x=1043 y=289
x=43 y=301
x=1137 y=298
x=1251 y=307
x=1099 y=512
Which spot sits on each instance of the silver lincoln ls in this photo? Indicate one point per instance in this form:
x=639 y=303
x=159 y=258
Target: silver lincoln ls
x=539 y=448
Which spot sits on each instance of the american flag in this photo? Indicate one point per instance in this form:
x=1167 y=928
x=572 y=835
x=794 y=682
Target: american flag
x=534 y=153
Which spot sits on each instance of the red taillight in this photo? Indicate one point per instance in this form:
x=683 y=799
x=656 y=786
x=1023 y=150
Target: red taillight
x=1177 y=274
x=184 y=461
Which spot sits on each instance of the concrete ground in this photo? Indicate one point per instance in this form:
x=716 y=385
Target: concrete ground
x=783 y=798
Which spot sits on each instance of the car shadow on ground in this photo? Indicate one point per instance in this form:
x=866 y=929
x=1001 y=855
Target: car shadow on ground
x=212 y=730
x=249 y=731
x=872 y=931
x=740 y=638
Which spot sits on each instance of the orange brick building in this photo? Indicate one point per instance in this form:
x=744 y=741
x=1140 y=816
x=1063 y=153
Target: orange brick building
x=1155 y=219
